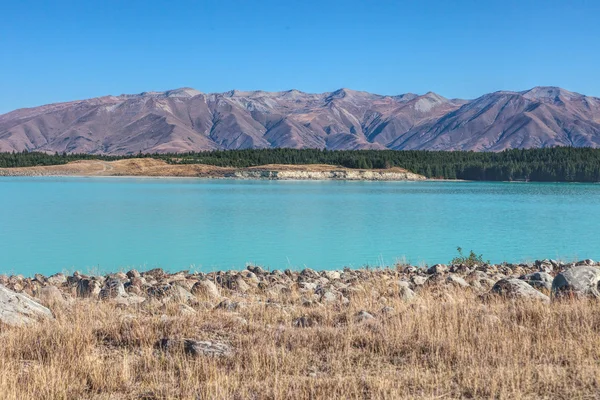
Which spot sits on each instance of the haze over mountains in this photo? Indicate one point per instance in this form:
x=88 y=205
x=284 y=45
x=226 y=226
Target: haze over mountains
x=185 y=120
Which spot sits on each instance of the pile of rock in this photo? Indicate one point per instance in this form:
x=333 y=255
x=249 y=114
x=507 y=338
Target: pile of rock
x=21 y=298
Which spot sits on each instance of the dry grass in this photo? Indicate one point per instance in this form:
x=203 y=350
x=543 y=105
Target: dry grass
x=158 y=168
x=440 y=345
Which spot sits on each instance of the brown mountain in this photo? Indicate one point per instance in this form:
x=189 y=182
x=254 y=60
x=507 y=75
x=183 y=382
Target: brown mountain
x=187 y=120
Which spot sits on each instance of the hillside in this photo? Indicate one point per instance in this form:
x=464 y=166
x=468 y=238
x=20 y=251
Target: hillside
x=184 y=120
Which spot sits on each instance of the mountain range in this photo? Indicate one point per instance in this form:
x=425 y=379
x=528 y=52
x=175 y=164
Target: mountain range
x=185 y=119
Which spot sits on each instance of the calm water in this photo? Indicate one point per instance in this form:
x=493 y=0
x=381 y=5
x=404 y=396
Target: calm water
x=49 y=225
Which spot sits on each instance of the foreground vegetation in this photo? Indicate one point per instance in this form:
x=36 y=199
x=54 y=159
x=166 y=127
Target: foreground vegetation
x=283 y=337
x=560 y=164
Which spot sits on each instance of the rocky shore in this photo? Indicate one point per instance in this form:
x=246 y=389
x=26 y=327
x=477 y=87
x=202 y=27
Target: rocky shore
x=543 y=280
x=464 y=330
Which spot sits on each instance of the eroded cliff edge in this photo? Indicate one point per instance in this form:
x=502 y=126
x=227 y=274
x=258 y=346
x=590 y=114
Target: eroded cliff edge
x=159 y=168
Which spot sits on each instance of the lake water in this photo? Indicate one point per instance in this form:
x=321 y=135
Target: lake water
x=50 y=225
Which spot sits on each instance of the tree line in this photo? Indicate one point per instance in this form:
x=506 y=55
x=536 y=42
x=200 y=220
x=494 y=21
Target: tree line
x=557 y=164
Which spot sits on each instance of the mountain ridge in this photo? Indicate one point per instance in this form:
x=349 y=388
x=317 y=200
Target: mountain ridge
x=186 y=119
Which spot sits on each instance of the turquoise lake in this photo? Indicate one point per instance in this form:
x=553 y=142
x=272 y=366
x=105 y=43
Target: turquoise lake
x=50 y=225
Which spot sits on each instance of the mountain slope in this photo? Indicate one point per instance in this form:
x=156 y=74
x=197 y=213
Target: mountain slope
x=185 y=120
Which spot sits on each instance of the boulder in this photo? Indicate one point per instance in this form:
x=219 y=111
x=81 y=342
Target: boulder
x=518 y=289
x=304 y=322
x=113 y=287
x=457 y=281
x=57 y=279
x=539 y=280
x=87 y=287
x=437 y=269
x=206 y=289
x=196 y=348
x=578 y=281
x=17 y=309
x=51 y=296
x=363 y=316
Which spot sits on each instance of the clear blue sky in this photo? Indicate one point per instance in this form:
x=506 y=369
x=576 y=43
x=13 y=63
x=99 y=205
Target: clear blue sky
x=65 y=50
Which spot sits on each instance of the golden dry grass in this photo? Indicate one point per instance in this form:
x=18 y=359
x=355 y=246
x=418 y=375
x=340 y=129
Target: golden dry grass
x=446 y=344
x=158 y=168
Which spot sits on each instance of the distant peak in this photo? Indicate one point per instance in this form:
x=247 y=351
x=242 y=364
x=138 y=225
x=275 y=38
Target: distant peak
x=185 y=92
x=548 y=92
x=435 y=97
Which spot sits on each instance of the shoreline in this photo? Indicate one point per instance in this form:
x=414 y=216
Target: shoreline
x=152 y=168
x=318 y=333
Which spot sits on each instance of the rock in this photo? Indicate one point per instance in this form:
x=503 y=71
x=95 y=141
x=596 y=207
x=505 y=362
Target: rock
x=304 y=322
x=517 y=289
x=228 y=305
x=196 y=348
x=131 y=300
x=579 y=281
x=206 y=289
x=437 y=269
x=539 y=280
x=156 y=273
x=57 y=279
x=307 y=285
x=309 y=273
x=184 y=309
x=179 y=293
x=388 y=310
x=328 y=297
x=418 y=280
x=133 y=274
x=363 y=316
x=405 y=293
x=545 y=265
x=257 y=270
x=17 y=309
x=332 y=275
x=241 y=285
x=113 y=287
x=457 y=281
x=87 y=287
x=586 y=262
x=51 y=296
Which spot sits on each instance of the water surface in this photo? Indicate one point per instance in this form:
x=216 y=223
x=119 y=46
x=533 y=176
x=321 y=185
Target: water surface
x=49 y=225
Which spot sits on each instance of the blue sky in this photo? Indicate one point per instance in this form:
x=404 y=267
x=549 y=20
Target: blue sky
x=65 y=50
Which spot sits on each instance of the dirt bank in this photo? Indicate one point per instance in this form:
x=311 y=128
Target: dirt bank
x=159 y=168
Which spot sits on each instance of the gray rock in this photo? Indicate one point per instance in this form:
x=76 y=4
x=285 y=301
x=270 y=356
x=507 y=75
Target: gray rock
x=328 y=297
x=304 y=322
x=113 y=287
x=332 y=275
x=196 y=348
x=577 y=281
x=388 y=310
x=405 y=293
x=437 y=269
x=50 y=296
x=363 y=316
x=539 y=280
x=309 y=273
x=179 y=293
x=228 y=305
x=87 y=287
x=206 y=289
x=57 y=279
x=418 y=280
x=518 y=289
x=17 y=309
x=457 y=281
x=133 y=274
